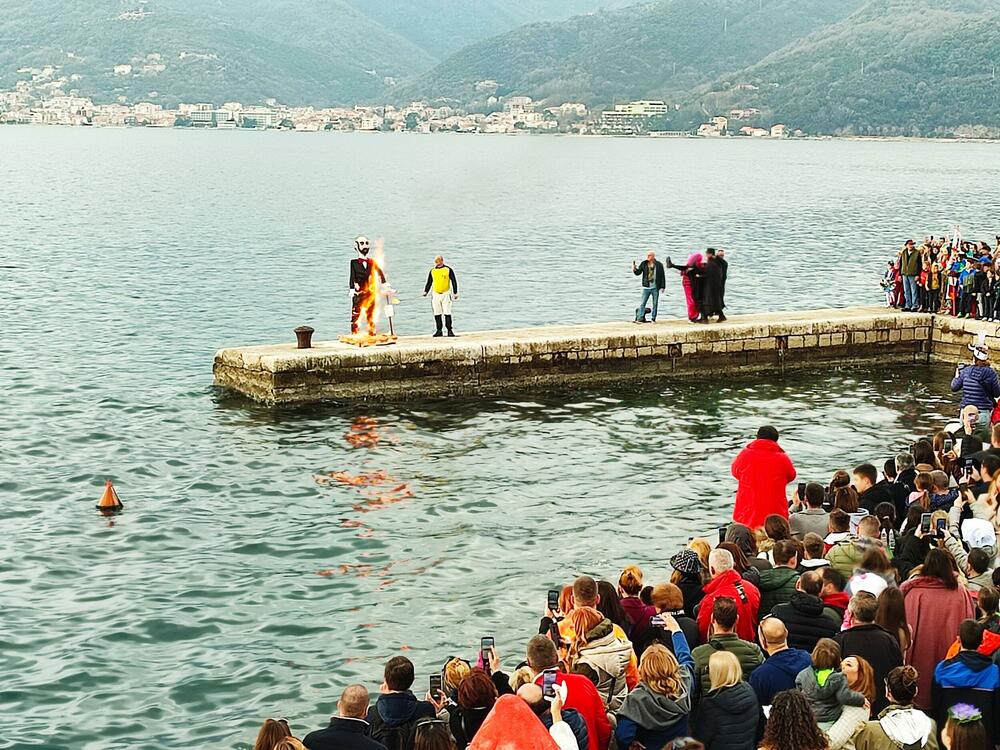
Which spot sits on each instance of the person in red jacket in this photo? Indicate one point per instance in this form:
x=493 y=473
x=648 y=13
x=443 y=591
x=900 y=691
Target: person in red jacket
x=582 y=696
x=763 y=471
x=727 y=582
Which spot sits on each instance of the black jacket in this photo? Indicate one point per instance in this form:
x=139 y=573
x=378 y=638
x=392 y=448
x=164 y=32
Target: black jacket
x=464 y=723
x=879 y=648
x=968 y=677
x=394 y=716
x=361 y=270
x=342 y=734
x=877 y=493
x=659 y=275
x=712 y=286
x=728 y=719
x=806 y=623
x=653 y=635
x=910 y=552
x=907 y=478
x=692 y=591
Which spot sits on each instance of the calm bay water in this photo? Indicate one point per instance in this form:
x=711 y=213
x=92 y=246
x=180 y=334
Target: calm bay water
x=235 y=587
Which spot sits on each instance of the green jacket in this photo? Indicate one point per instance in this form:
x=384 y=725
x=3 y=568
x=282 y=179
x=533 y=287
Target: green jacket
x=749 y=654
x=846 y=555
x=909 y=262
x=776 y=587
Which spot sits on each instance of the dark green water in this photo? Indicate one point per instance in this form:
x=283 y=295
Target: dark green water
x=201 y=610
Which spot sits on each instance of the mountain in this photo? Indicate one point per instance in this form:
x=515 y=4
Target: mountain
x=648 y=50
x=895 y=67
x=298 y=51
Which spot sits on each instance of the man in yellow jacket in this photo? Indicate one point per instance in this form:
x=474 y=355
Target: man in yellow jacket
x=441 y=279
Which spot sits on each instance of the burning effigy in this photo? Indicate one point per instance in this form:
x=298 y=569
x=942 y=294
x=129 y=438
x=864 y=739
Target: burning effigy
x=370 y=295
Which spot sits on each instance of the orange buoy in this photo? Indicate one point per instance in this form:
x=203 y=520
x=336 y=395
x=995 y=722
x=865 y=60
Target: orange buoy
x=109 y=502
x=511 y=725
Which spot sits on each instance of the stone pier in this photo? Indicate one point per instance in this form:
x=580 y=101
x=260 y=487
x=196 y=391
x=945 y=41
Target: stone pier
x=554 y=357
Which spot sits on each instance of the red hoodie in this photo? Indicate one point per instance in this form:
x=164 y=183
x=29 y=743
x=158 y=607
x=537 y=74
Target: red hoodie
x=747 y=604
x=763 y=471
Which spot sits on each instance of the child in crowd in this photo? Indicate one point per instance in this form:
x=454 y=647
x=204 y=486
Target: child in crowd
x=824 y=685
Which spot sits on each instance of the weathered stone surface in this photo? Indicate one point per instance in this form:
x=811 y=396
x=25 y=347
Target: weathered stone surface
x=495 y=362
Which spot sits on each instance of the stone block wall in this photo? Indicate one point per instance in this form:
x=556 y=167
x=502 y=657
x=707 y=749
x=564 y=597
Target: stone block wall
x=575 y=356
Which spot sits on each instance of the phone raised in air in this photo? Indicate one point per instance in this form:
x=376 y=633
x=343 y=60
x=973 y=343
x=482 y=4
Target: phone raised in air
x=549 y=684
x=941 y=524
x=722 y=533
x=656 y=621
x=948 y=445
x=436 y=685
x=925 y=523
x=485 y=647
x=553 y=599
x=802 y=491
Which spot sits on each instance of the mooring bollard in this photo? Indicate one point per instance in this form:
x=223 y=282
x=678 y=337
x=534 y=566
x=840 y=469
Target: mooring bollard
x=303 y=336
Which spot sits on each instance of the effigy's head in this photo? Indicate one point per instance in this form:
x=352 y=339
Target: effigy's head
x=362 y=245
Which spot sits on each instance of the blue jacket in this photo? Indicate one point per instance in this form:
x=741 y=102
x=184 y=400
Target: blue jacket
x=666 y=718
x=979 y=385
x=778 y=673
x=969 y=677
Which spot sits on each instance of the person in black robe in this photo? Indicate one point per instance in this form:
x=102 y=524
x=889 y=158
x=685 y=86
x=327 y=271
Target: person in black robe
x=713 y=284
x=721 y=256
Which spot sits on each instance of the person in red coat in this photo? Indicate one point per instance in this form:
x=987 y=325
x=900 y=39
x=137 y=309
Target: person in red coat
x=727 y=582
x=763 y=471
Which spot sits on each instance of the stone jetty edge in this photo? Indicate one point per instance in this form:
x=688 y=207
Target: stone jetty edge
x=554 y=357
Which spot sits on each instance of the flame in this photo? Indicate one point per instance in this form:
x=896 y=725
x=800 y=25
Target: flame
x=371 y=304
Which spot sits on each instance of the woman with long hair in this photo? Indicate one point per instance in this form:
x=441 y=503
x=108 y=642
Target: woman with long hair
x=271 y=733
x=936 y=603
x=965 y=729
x=860 y=678
x=610 y=606
x=600 y=655
x=891 y=616
x=476 y=696
x=791 y=725
x=657 y=710
x=943 y=458
x=921 y=496
x=900 y=724
x=840 y=479
x=729 y=713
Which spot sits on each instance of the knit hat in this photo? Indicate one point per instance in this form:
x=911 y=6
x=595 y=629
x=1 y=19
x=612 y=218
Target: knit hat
x=686 y=561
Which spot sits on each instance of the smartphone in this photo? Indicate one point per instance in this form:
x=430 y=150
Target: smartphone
x=436 y=685
x=553 y=599
x=802 y=491
x=656 y=622
x=941 y=523
x=549 y=684
x=722 y=533
x=925 y=522
x=948 y=445
x=485 y=646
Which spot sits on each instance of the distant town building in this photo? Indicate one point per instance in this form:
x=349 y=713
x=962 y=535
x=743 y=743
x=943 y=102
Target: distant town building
x=631 y=117
x=779 y=131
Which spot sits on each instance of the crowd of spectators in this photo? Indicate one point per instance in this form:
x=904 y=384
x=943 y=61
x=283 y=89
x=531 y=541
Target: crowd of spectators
x=862 y=615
